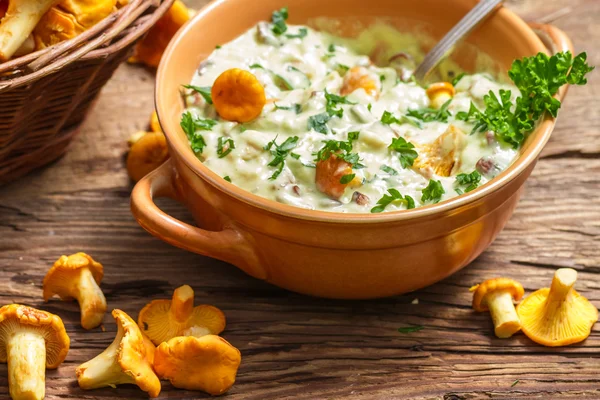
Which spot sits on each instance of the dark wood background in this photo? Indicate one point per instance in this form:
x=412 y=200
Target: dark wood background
x=299 y=347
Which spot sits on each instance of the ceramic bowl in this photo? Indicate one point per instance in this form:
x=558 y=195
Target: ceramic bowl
x=334 y=255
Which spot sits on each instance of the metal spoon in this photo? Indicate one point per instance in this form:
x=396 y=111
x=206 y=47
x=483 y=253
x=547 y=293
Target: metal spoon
x=445 y=46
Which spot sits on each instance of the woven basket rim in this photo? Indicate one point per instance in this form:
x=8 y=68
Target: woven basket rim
x=110 y=35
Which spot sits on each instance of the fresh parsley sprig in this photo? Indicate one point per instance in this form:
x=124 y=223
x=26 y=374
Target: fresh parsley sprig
x=471 y=181
x=406 y=151
x=203 y=90
x=393 y=196
x=433 y=192
x=278 y=19
x=279 y=153
x=190 y=125
x=342 y=150
x=387 y=118
x=225 y=146
x=333 y=101
x=538 y=79
x=431 y=114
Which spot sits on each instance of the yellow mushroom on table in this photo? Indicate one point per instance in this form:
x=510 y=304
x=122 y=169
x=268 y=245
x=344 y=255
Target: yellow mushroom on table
x=77 y=277
x=557 y=316
x=123 y=362
x=208 y=363
x=497 y=295
x=162 y=320
x=31 y=340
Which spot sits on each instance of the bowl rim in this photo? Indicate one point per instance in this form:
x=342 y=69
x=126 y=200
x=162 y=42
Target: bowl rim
x=528 y=155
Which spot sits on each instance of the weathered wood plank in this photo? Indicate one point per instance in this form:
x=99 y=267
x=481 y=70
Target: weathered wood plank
x=305 y=348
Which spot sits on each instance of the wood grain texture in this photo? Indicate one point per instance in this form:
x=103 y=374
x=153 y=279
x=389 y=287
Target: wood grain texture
x=304 y=348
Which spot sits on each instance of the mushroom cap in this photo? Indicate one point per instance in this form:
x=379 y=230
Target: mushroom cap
x=208 y=363
x=15 y=318
x=158 y=322
x=88 y=12
x=59 y=277
x=495 y=285
x=558 y=321
x=54 y=27
x=132 y=354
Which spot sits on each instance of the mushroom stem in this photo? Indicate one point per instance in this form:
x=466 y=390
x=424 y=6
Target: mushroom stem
x=182 y=304
x=562 y=283
x=91 y=300
x=26 y=354
x=104 y=370
x=504 y=315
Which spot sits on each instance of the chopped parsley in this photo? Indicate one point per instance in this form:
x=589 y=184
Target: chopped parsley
x=347 y=179
x=514 y=383
x=389 y=170
x=224 y=146
x=471 y=181
x=387 y=118
x=297 y=108
x=342 y=69
x=302 y=32
x=393 y=196
x=410 y=329
x=204 y=92
x=381 y=78
x=341 y=149
x=433 y=192
x=218 y=47
x=333 y=100
x=318 y=123
x=406 y=151
x=430 y=114
x=278 y=19
x=279 y=153
x=227 y=178
x=253 y=66
x=538 y=79
x=191 y=125
x=331 y=48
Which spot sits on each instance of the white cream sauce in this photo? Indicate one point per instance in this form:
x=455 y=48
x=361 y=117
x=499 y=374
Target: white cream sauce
x=247 y=165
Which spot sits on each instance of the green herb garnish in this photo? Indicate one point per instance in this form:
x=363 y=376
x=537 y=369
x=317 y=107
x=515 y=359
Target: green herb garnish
x=392 y=196
x=278 y=19
x=227 y=178
x=297 y=108
x=278 y=80
x=331 y=48
x=388 y=169
x=333 y=100
x=433 y=192
x=341 y=149
x=204 y=92
x=471 y=181
x=410 y=329
x=458 y=78
x=514 y=383
x=191 y=125
x=318 y=123
x=302 y=32
x=387 y=118
x=224 y=146
x=538 y=79
x=279 y=153
x=342 y=69
x=406 y=151
x=218 y=47
x=347 y=179
x=430 y=114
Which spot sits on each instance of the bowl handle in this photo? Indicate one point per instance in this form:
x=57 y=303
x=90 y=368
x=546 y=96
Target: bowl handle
x=229 y=244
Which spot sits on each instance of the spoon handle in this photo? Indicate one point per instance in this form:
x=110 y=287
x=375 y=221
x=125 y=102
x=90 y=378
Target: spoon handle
x=477 y=14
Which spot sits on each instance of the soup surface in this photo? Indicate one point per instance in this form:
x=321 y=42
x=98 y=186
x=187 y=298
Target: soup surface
x=342 y=131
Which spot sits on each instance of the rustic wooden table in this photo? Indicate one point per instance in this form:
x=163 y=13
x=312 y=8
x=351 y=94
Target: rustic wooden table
x=299 y=347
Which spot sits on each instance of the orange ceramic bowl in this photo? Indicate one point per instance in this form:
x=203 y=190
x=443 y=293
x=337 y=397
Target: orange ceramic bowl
x=348 y=256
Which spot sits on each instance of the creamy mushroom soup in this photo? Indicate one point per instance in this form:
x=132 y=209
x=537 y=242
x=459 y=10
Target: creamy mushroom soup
x=334 y=131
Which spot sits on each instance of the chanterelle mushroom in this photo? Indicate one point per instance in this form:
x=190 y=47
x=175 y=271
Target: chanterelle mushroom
x=162 y=320
x=557 y=316
x=208 y=363
x=77 y=277
x=21 y=18
x=124 y=361
x=497 y=295
x=30 y=341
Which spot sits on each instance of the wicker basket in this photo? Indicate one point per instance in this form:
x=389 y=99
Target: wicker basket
x=44 y=96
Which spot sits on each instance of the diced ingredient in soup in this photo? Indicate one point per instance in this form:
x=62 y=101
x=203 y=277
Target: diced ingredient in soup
x=308 y=119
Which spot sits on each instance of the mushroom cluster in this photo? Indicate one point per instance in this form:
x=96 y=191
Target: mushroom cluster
x=190 y=353
x=147 y=150
x=555 y=316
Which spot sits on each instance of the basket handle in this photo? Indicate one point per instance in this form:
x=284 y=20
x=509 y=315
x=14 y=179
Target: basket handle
x=228 y=244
